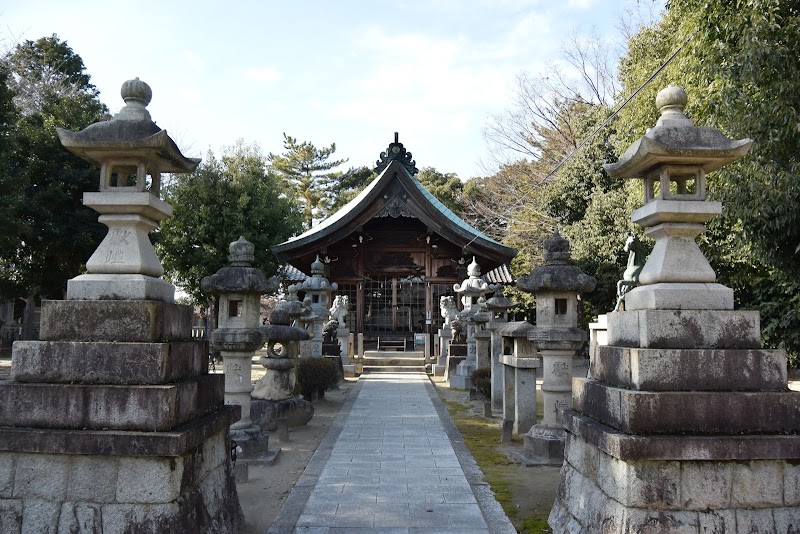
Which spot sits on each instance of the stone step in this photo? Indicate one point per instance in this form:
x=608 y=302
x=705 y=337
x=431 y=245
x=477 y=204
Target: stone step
x=394 y=354
x=388 y=361
x=374 y=369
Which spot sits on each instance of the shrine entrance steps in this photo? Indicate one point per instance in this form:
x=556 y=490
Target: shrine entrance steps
x=383 y=361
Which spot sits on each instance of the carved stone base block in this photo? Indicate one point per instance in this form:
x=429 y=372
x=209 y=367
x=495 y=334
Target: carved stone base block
x=119 y=287
x=601 y=493
x=544 y=445
x=42 y=492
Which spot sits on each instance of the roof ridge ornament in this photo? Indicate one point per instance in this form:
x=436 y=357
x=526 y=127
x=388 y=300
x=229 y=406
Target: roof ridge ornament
x=396 y=152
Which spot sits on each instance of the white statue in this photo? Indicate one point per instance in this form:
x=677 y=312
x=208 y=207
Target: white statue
x=339 y=309
x=448 y=309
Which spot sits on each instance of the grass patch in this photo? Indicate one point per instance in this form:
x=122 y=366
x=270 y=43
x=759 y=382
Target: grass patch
x=482 y=438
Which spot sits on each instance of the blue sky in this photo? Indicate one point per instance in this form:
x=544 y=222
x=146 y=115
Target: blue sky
x=349 y=72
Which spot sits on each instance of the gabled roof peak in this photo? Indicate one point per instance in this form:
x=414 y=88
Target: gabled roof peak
x=396 y=152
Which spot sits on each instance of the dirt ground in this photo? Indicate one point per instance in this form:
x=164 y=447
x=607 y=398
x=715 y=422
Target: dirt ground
x=266 y=490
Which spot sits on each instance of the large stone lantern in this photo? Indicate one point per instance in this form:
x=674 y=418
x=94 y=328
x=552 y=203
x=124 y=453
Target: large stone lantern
x=132 y=152
x=673 y=159
x=110 y=421
x=556 y=337
x=684 y=424
x=238 y=334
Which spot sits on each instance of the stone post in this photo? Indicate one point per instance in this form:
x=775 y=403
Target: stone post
x=682 y=401
x=519 y=378
x=238 y=335
x=598 y=335
x=470 y=290
x=557 y=337
x=111 y=422
x=499 y=304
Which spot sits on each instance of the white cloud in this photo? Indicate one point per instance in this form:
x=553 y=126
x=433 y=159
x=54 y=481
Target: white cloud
x=262 y=75
x=190 y=94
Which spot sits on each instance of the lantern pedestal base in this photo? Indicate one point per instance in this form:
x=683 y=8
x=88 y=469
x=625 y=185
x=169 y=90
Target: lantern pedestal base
x=120 y=287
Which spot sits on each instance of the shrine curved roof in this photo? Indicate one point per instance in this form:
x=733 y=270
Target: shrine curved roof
x=353 y=209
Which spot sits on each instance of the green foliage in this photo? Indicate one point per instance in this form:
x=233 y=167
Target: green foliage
x=347 y=185
x=303 y=168
x=223 y=199
x=48 y=233
x=447 y=188
x=740 y=68
x=482 y=380
x=315 y=375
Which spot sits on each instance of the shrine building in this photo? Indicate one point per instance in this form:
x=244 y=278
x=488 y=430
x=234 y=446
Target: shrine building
x=394 y=250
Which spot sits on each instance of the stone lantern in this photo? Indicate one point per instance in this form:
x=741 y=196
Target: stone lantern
x=471 y=289
x=132 y=152
x=238 y=334
x=683 y=401
x=319 y=289
x=111 y=421
x=278 y=383
x=499 y=305
x=673 y=167
x=556 y=337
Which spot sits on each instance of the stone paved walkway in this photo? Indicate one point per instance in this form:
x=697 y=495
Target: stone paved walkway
x=392 y=462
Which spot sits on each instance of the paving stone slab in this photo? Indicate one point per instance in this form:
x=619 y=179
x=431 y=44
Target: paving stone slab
x=427 y=481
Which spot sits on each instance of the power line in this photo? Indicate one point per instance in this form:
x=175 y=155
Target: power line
x=620 y=108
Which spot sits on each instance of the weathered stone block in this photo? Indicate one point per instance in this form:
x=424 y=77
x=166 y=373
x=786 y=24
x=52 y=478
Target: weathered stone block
x=706 y=485
x=7 y=469
x=108 y=362
x=215 y=452
x=757 y=484
x=115 y=320
x=654 y=485
x=685 y=329
x=121 y=443
x=716 y=521
x=213 y=490
x=11 y=516
x=787 y=520
x=40 y=516
x=681 y=447
x=85 y=518
x=148 y=408
x=791 y=483
x=657 y=521
x=749 y=521
x=153 y=519
x=149 y=480
x=679 y=296
x=690 y=369
x=693 y=412
x=92 y=479
x=41 y=476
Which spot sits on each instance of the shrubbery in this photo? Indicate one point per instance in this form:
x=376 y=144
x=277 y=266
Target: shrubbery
x=315 y=375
